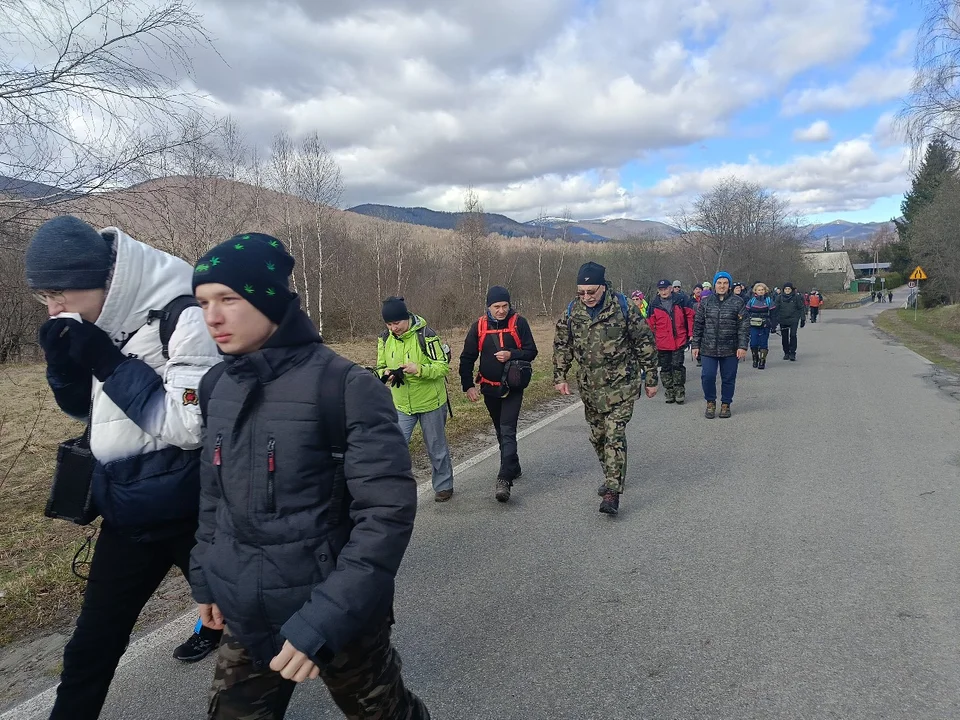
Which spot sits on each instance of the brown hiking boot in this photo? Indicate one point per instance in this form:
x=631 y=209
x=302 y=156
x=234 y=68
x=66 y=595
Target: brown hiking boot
x=443 y=495
x=724 y=410
x=611 y=503
x=503 y=489
x=711 y=412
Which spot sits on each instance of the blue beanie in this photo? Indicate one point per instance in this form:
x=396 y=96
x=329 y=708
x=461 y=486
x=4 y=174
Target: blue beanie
x=67 y=254
x=254 y=265
x=722 y=274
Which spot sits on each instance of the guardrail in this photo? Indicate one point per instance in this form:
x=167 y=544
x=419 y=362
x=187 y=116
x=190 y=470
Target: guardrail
x=859 y=303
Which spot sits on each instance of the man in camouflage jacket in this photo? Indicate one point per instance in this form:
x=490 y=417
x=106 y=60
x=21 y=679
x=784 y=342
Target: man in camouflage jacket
x=612 y=344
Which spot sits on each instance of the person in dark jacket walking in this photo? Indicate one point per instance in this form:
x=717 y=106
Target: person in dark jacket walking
x=106 y=365
x=792 y=313
x=672 y=325
x=498 y=337
x=298 y=544
x=720 y=336
x=762 y=317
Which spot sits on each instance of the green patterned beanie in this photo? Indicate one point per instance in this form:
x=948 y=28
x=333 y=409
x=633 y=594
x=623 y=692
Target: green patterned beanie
x=256 y=266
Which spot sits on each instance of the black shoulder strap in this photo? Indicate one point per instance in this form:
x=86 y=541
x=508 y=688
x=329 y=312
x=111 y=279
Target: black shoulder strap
x=207 y=383
x=333 y=410
x=168 y=318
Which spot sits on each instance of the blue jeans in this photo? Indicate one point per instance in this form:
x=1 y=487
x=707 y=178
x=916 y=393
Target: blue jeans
x=433 y=424
x=759 y=337
x=728 y=377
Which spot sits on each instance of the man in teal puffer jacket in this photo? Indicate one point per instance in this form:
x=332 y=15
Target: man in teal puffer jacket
x=413 y=361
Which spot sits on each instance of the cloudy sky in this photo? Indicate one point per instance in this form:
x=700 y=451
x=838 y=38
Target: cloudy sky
x=607 y=107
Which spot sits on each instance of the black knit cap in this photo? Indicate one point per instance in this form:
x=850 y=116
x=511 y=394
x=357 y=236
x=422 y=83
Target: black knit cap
x=394 y=309
x=497 y=294
x=591 y=274
x=255 y=266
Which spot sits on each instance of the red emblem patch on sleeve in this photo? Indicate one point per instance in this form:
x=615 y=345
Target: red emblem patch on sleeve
x=190 y=397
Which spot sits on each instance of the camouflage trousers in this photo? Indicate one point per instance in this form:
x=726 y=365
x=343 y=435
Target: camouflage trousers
x=673 y=374
x=608 y=434
x=364 y=681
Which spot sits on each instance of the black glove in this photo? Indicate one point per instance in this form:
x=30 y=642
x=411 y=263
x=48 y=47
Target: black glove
x=396 y=377
x=54 y=337
x=385 y=378
x=91 y=347
x=803 y=323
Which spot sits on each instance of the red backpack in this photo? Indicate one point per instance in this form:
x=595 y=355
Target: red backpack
x=516 y=373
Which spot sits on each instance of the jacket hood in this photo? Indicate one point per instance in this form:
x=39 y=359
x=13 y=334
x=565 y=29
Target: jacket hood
x=296 y=328
x=416 y=322
x=143 y=279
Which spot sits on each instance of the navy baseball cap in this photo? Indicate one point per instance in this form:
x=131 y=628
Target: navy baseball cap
x=664 y=284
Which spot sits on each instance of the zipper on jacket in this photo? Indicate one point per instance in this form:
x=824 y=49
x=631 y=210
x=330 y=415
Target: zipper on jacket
x=271 y=474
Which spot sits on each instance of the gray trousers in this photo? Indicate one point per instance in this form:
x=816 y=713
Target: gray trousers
x=433 y=424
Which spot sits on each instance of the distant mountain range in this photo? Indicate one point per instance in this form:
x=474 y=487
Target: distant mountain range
x=13 y=187
x=550 y=228
x=844 y=230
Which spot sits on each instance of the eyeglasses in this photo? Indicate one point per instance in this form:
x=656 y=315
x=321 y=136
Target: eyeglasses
x=590 y=293
x=45 y=297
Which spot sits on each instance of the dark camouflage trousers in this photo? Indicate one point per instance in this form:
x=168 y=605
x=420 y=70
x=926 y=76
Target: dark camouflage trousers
x=364 y=681
x=608 y=434
x=673 y=374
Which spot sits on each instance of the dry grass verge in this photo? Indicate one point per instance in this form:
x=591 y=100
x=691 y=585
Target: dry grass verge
x=934 y=334
x=38 y=592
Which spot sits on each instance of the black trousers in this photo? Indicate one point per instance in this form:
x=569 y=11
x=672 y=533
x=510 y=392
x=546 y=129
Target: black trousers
x=814 y=313
x=788 y=335
x=505 y=413
x=123 y=575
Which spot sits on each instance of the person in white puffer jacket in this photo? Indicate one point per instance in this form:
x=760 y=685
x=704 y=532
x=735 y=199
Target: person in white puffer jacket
x=140 y=399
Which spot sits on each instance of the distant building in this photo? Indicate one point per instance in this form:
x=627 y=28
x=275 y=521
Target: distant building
x=865 y=269
x=833 y=271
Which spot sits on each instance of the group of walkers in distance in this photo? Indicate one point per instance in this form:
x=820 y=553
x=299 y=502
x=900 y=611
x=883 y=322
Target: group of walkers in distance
x=231 y=442
x=880 y=296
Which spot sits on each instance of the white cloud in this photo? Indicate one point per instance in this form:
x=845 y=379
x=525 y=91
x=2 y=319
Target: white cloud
x=536 y=104
x=819 y=131
x=868 y=86
x=849 y=176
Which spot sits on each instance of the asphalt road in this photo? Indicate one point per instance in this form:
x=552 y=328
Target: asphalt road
x=796 y=561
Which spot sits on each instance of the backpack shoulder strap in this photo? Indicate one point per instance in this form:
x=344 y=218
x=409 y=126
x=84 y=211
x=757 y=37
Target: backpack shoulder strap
x=168 y=318
x=512 y=329
x=333 y=413
x=624 y=310
x=207 y=383
x=481 y=332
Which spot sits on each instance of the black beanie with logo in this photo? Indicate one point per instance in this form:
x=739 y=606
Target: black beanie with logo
x=256 y=266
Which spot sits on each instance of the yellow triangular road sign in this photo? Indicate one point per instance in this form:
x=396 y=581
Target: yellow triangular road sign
x=918 y=274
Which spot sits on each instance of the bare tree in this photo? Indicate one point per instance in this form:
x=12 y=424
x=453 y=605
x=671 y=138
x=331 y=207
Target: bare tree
x=932 y=108
x=740 y=227
x=319 y=182
x=82 y=101
x=472 y=244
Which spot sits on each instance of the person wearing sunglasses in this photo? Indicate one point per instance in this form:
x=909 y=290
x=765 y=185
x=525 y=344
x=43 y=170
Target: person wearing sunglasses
x=138 y=393
x=613 y=345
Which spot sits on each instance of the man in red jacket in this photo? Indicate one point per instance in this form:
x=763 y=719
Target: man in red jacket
x=672 y=325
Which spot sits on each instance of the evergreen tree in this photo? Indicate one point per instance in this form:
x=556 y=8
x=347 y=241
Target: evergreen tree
x=939 y=162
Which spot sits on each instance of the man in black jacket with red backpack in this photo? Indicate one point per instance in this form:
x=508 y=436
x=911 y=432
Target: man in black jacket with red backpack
x=499 y=337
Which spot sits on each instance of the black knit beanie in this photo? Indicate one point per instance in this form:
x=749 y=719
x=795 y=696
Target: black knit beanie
x=255 y=266
x=497 y=294
x=591 y=273
x=67 y=254
x=394 y=310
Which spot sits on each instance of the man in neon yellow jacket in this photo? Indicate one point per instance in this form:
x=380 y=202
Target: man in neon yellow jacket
x=413 y=361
